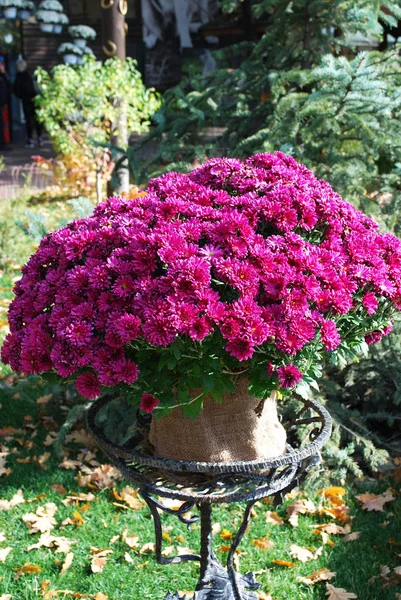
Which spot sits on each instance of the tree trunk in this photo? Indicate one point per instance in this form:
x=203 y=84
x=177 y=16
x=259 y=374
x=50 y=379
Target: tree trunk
x=113 y=45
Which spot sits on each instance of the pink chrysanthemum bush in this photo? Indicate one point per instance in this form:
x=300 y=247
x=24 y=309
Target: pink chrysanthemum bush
x=247 y=266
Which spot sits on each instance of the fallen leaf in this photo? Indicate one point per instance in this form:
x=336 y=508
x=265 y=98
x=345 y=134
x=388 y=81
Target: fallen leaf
x=263 y=543
x=149 y=547
x=352 y=536
x=18 y=498
x=78 y=519
x=132 y=541
x=333 y=529
x=101 y=596
x=67 y=562
x=183 y=551
x=375 y=501
x=320 y=575
x=3 y=470
x=2 y=537
x=130 y=497
x=272 y=518
x=283 y=563
x=224 y=548
x=43 y=520
x=70 y=464
x=333 y=593
x=261 y=596
x=99 y=478
x=334 y=492
x=216 y=528
x=5 y=597
x=47 y=540
x=226 y=535
x=304 y=554
x=299 y=507
x=27 y=569
x=4 y=552
x=128 y=558
x=73 y=499
x=98 y=563
x=59 y=489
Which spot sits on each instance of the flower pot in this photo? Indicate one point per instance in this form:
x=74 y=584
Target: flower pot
x=241 y=428
x=10 y=12
x=70 y=59
x=80 y=43
x=57 y=28
x=24 y=14
x=47 y=27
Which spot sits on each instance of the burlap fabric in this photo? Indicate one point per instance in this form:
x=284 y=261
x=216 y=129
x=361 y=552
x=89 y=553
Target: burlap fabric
x=238 y=429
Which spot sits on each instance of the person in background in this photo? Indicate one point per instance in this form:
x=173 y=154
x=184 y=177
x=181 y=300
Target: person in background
x=4 y=87
x=26 y=89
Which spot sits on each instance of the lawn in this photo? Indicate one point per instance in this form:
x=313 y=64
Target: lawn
x=88 y=535
x=111 y=532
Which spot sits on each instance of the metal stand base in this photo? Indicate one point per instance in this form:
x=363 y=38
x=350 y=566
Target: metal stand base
x=203 y=484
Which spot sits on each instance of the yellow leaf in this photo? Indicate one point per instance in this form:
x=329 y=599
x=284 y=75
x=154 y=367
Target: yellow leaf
x=100 y=596
x=334 y=492
x=27 y=569
x=283 y=563
x=78 y=519
x=226 y=535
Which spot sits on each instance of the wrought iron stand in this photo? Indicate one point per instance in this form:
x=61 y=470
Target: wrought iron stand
x=203 y=484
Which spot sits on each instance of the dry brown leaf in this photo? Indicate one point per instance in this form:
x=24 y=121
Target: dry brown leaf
x=272 y=518
x=128 y=558
x=224 y=548
x=352 y=536
x=67 y=562
x=334 y=529
x=148 y=547
x=338 y=593
x=4 y=552
x=130 y=497
x=114 y=539
x=320 y=575
x=27 y=569
x=59 y=489
x=47 y=540
x=101 y=551
x=18 y=498
x=68 y=463
x=263 y=543
x=168 y=550
x=132 y=541
x=299 y=507
x=283 y=563
x=184 y=550
x=216 y=528
x=3 y=470
x=99 y=478
x=43 y=520
x=73 y=499
x=5 y=597
x=304 y=554
x=98 y=563
x=81 y=437
x=375 y=501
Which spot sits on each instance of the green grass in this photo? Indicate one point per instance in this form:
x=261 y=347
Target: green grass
x=355 y=562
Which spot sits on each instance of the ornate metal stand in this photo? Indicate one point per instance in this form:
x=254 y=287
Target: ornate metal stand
x=203 y=484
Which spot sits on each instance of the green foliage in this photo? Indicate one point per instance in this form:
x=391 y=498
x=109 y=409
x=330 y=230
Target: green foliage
x=80 y=107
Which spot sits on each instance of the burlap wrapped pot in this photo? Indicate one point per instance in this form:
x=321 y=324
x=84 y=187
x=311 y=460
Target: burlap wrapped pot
x=241 y=428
